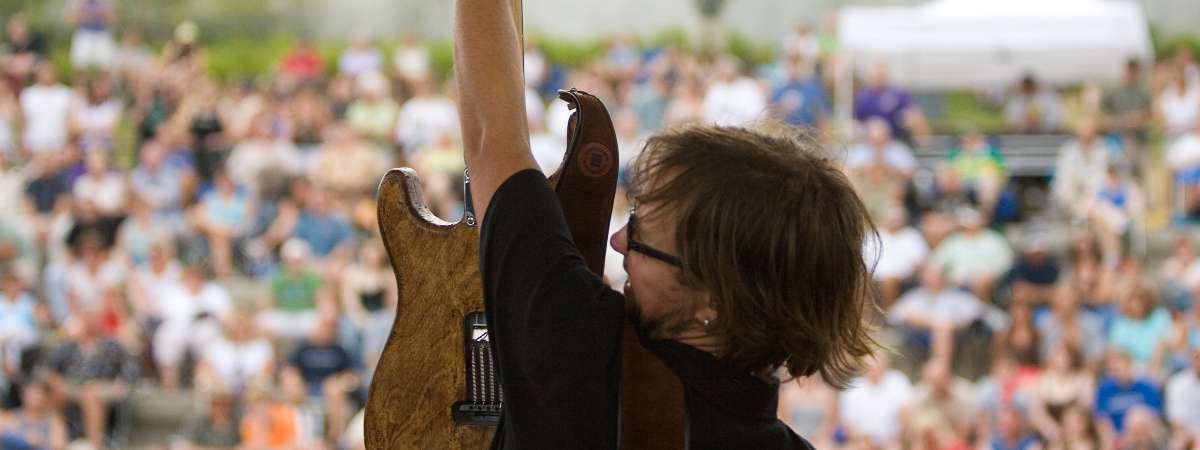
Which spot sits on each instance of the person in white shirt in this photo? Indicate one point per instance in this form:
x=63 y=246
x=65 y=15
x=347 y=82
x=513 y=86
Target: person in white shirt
x=880 y=148
x=1178 y=103
x=733 y=99
x=896 y=254
x=1082 y=163
x=412 y=59
x=871 y=406
x=1183 y=401
x=261 y=153
x=425 y=117
x=932 y=313
x=360 y=57
x=45 y=107
x=191 y=311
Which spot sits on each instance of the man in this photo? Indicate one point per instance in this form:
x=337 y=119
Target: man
x=976 y=257
x=935 y=313
x=726 y=283
x=879 y=98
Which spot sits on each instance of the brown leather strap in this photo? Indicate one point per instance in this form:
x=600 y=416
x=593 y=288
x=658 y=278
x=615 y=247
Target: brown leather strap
x=587 y=179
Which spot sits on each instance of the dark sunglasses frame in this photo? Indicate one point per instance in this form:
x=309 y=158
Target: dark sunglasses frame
x=644 y=249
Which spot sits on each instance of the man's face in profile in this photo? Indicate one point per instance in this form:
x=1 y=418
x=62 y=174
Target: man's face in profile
x=655 y=296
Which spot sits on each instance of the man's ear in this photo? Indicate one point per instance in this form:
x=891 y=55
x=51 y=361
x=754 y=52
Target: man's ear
x=706 y=311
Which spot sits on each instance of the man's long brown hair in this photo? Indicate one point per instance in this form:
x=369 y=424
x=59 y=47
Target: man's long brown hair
x=772 y=231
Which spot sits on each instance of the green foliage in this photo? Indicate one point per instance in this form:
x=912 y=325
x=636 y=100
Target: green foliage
x=964 y=111
x=240 y=59
x=750 y=52
x=572 y=54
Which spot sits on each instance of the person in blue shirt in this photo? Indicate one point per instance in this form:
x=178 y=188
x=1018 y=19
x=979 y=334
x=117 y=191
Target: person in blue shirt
x=801 y=99
x=1119 y=392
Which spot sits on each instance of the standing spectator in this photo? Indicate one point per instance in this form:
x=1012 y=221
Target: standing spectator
x=92 y=372
x=733 y=98
x=92 y=45
x=360 y=57
x=45 y=107
x=934 y=314
x=1034 y=109
x=975 y=257
x=290 y=310
x=1081 y=167
x=1120 y=392
x=871 y=407
x=895 y=255
x=892 y=104
x=37 y=425
x=1182 y=396
x=801 y=99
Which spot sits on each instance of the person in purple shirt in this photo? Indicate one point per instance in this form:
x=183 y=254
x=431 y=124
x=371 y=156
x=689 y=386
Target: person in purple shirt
x=881 y=99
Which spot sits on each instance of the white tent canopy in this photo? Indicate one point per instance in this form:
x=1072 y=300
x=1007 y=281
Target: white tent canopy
x=982 y=44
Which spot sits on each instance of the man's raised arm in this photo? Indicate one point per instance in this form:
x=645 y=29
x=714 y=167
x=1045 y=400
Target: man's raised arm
x=491 y=95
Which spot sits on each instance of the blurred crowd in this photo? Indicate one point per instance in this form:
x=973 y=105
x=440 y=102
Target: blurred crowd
x=163 y=230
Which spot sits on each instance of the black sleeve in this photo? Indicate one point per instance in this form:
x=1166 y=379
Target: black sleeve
x=554 y=326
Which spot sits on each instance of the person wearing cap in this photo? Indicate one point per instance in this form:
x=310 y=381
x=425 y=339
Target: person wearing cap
x=1035 y=273
x=975 y=257
x=290 y=310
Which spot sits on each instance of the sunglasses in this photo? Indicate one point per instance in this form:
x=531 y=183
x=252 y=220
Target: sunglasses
x=646 y=249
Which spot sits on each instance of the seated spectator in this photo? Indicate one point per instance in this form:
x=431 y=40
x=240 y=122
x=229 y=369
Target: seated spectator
x=158 y=183
x=1066 y=324
x=1078 y=431
x=941 y=408
x=934 y=313
x=328 y=373
x=1113 y=209
x=91 y=372
x=1120 y=392
x=92 y=45
x=975 y=257
x=368 y=297
x=895 y=255
x=373 y=114
x=1139 y=326
x=1126 y=107
x=138 y=233
x=45 y=107
x=223 y=216
x=302 y=64
x=733 y=98
x=101 y=192
x=424 y=117
x=1080 y=170
x=1035 y=273
x=91 y=274
x=879 y=98
x=95 y=118
x=1012 y=433
x=325 y=230
x=19 y=327
x=1183 y=162
x=290 y=309
x=26 y=47
x=880 y=149
x=809 y=407
x=191 y=312
x=1182 y=395
x=272 y=422
x=1033 y=108
x=1178 y=105
x=346 y=165
x=871 y=407
x=411 y=59
x=237 y=360
x=161 y=270
x=801 y=99
x=1064 y=383
x=261 y=154
x=1143 y=429
x=360 y=57
x=974 y=171
x=1020 y=339
x=218 y=424
x=36 y=425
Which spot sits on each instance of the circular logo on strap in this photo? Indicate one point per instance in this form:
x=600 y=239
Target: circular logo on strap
x=595 y=160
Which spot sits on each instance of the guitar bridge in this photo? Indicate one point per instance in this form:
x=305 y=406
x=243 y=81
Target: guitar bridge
x=484 y=397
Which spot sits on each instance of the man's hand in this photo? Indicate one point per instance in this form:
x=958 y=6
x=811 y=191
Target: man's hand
x=491 y=92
